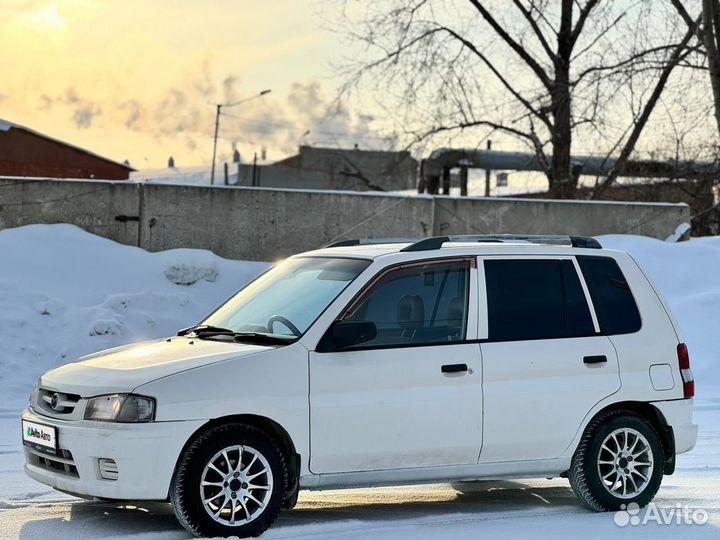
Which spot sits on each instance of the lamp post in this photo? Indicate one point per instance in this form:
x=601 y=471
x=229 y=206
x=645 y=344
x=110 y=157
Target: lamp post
x=218 y=110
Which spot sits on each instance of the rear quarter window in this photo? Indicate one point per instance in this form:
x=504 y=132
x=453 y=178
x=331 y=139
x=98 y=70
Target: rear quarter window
x=615 y=305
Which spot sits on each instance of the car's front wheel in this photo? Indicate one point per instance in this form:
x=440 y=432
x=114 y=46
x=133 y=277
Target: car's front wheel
x=619 y=461
x=230 y=482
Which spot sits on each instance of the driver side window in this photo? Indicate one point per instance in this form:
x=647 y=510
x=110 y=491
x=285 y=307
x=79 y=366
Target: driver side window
x=423 y=303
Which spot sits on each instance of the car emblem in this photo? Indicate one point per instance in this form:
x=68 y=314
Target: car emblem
x=54 y=401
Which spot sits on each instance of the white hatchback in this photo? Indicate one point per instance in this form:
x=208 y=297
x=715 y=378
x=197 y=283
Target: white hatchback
x=369 y=363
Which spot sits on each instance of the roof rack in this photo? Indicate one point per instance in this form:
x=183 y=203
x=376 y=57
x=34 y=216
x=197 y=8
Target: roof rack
x=370 y=242
x=436 y=242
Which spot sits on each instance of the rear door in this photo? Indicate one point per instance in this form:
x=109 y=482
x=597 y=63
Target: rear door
x=545 y=364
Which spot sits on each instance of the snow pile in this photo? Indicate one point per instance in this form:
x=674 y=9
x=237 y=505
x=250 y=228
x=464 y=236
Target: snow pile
x=65 y=293
x=688 y=275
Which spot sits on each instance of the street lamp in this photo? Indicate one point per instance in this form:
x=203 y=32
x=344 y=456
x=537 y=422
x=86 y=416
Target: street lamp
x=218 y=109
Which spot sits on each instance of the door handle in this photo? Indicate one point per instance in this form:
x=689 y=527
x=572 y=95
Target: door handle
x=454 y=368
x=599 y=359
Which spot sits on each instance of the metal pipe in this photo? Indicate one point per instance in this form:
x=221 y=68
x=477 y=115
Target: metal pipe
x=591 y=165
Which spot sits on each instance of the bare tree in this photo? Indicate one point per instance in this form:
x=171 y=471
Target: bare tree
x=711 y=41
x=540 y=71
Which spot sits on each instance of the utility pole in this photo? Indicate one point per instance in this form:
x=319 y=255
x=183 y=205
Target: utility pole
x=217 y=125
x=254 y=170
x=487 y=173
x=218 y=111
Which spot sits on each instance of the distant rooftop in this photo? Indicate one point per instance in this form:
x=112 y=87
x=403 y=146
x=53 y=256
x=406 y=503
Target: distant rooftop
x=6 y=125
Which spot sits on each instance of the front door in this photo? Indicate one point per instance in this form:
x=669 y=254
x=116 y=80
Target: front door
x=412 y=396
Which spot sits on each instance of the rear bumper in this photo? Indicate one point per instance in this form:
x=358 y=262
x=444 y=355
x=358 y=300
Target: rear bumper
x=145 y=455
x=678 y=415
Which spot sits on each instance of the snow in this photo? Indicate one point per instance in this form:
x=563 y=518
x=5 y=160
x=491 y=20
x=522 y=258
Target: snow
x=65 y=293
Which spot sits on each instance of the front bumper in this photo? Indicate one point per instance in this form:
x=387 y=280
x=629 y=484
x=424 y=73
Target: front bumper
x=145 y=455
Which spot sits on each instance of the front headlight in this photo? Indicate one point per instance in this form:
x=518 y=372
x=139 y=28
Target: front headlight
x=120 y=408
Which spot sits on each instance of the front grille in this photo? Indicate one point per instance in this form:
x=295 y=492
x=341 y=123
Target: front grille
x=62 y=463
x=56 y=403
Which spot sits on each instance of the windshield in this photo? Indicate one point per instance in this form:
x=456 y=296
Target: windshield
x=287 y=299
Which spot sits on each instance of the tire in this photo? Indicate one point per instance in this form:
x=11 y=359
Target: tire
x=600 y=477
x=231 y=460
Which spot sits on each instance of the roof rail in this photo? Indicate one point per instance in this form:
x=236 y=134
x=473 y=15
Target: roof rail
x=370 y=242
x=436 y=242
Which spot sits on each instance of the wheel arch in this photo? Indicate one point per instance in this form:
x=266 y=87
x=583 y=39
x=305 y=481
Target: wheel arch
x=272 y=428
x=653 y=416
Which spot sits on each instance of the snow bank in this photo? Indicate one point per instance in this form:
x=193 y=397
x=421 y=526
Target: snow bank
x=65 y=293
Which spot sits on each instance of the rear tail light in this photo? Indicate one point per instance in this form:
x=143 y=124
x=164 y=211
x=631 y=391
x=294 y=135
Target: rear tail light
x=685 y=371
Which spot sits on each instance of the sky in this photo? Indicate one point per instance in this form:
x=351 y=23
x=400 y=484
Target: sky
x=137 y=80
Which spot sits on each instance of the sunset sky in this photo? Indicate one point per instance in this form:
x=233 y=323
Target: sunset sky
x=135 y=79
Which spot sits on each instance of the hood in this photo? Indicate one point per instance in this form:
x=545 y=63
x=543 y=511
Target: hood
x=125 y=368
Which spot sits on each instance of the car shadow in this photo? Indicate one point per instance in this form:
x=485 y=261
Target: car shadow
x=85 y=519
x=411 y=502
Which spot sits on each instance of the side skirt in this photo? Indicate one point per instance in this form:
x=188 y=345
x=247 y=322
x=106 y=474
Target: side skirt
x=429 y=475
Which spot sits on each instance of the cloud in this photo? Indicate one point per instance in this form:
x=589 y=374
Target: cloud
x=184 y=115
x=10 y=9
x=134 y=114
x=46 y=102
x=84 y=110
x=229 y=85
x=282 y=124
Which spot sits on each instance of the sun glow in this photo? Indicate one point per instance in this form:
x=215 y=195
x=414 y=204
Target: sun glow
x=48 y=18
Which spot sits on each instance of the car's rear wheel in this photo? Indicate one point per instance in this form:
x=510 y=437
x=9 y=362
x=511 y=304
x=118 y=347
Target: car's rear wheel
x=619 y=461
x=230 y=482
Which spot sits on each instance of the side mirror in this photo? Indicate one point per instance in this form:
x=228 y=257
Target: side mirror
x=348 y=333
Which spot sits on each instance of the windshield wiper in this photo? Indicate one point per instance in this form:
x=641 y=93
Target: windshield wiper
x=255 y=337
x=205 y=329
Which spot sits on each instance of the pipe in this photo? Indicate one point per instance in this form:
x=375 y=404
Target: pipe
x=591 y=165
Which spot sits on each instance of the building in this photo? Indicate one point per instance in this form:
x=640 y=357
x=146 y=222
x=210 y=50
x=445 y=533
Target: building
x=311 y=168
x=25 y=152
x=353 y=169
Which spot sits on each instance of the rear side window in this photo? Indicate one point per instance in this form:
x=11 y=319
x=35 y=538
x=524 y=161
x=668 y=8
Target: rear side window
x=535 y=299
x=614 y=303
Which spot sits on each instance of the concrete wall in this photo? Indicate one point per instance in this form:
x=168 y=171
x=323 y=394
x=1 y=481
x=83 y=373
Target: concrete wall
x=468 y=215
x=90 y=204
x=266 y=224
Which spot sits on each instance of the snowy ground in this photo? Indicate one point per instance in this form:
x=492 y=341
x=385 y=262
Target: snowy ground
x=64 y=293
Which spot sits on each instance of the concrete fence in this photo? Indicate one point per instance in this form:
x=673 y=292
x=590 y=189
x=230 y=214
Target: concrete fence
x=266 y=224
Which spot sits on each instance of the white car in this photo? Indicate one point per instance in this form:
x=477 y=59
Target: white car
x=367 y=364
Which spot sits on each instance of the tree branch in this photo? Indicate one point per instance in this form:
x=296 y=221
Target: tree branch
x=630 y=60
x=675 y=58
x=471 y=46
x=514 y=45
x=477 y=123
x=536 y=29
x=582 y=19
